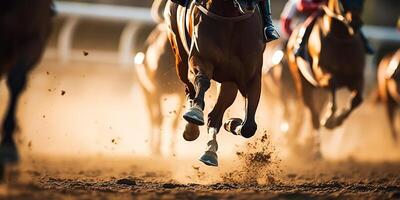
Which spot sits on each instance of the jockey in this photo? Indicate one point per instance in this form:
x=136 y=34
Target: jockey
x=288 y=14
x=265 y=7
x=312 y=8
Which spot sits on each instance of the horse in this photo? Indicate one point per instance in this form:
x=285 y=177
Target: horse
x=25 y=28
x=221 y=41
x=155 y=69
x=329 y=67
x=388 y=77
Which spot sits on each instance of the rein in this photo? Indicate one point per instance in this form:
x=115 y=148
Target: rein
x=339 y=17
x=215 y=16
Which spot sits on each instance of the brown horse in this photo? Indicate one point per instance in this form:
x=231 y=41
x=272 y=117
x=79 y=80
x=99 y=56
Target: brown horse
x=223 y=41
x=25 y=27
x=337 y=60
x=155 y=68
x=388 y=87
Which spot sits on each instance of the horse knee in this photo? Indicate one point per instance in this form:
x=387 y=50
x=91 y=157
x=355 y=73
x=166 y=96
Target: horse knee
x=248 y=130
x=202 y=84
x=214 y=120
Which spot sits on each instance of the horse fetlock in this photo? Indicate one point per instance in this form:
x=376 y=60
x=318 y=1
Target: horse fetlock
x=212 y=145
x=329 y=122
x=248 y=130
x=232 y=124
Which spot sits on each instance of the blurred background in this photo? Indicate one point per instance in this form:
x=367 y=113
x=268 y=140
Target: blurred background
x=90 y=57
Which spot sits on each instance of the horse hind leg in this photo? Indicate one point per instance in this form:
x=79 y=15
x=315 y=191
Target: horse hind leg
x=309 y=95
x=225 y=99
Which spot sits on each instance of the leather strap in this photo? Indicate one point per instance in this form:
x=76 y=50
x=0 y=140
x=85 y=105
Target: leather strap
x=215 y=16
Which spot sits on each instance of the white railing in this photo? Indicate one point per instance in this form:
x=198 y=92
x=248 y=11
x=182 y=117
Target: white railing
x=134 y=16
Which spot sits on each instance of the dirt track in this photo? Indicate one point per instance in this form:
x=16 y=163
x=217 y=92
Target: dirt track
x=87 y=180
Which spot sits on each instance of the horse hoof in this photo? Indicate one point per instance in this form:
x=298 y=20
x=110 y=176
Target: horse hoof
x=329 y=123
x=8 y=153
x=195 y=116
x=210 y=158
x=231 y=125
x=191 y=132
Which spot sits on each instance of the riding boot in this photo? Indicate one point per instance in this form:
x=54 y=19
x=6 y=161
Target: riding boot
x=300 y=51
x=269 y=30
x=53 y=10
x=180 y=2
x=368 y=48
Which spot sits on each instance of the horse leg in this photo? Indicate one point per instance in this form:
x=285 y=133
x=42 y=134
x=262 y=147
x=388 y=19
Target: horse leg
x=16 y=83
x=225 y=99
x=175 y=124
x=356 y=100
x=391 y=110
x=202 y=72
x=191 y=131
x=329 y=121
x=315 y=110
x=249 y=127
x=154 y=107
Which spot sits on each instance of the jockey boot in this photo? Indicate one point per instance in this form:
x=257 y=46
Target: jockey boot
x=300 y=51
x=180 y=2
x=53 y=9
x=367 y=45
x=269 y=30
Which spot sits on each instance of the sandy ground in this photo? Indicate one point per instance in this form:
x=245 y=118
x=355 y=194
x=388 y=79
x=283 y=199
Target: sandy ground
x=84 y=135
x=126 y=179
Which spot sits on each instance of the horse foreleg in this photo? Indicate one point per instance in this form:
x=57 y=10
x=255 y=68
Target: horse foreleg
x=16 y=83
x=203 y=72
x=226 y=97
x=154 y=109
x=175 y=124
x=329 y=120
x=356 y=100
x=391 y=110
x=249 y=127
